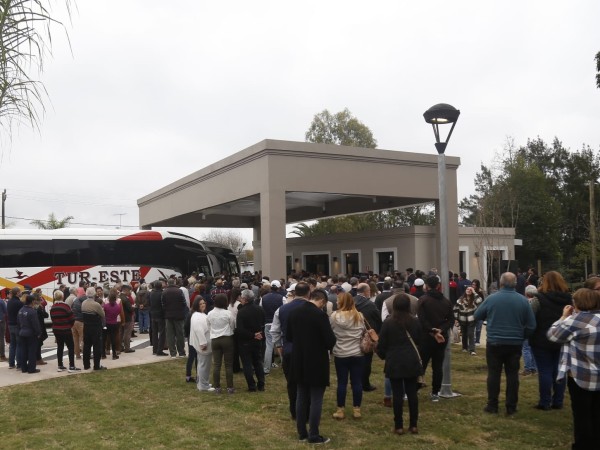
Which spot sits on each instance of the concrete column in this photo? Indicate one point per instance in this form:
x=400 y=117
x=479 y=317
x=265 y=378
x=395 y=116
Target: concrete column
x=272 y=233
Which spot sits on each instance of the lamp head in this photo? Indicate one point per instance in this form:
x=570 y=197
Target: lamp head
x=441 y=113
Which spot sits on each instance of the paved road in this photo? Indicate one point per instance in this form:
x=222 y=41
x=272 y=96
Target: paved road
x=143 y=355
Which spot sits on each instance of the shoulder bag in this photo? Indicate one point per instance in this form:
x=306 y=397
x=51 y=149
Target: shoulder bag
x=420 y=378
x=368 y=339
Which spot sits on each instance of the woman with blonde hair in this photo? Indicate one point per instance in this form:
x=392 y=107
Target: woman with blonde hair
x=347 y=324
x=548 y=305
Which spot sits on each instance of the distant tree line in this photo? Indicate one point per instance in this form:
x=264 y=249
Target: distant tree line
x=542 y=190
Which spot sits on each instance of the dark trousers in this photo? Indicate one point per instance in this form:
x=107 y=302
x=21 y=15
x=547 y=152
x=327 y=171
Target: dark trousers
x=292 y=387
x=586 y=416
x=368 y=360
x=408 y=386
x=63 y=339
x=431 y=350
x=192 y=359
x=313 y=396
x=467 y=330
x=552 y=392
x=29 y=345
x=111 y=335
x=15 y=346
x=497 y=357
x=92 y=338
x=158 y=335
x=252 y=358
x=222 y=348
x=353 y=367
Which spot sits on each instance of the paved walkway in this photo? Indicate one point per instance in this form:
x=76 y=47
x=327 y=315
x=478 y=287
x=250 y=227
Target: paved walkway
x=143 y=355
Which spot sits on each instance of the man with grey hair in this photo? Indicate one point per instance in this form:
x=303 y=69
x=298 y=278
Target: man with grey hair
x=93 y=322
x=249 y=331
x=510 y=320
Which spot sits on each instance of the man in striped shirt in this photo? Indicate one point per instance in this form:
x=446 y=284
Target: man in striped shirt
x=62 y=322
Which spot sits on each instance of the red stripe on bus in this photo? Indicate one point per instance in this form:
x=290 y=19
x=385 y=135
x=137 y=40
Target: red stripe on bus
x=49 y=275
x=144 y=271
x=143 y=236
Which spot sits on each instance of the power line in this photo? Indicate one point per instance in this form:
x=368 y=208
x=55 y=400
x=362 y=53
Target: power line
x=76 y=223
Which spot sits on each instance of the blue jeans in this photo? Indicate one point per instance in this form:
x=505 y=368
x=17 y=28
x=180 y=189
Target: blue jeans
x=552 y=393
x=353 y=366
x=387 y=388
x=14 y=349
x=312 y=395
x=144 y=319
x=528 y=359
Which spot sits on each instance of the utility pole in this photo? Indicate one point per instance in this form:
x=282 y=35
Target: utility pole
x=120 y=217
x=593 y=228
x=3 y=214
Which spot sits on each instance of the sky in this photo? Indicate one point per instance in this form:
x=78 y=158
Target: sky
x=150 y=91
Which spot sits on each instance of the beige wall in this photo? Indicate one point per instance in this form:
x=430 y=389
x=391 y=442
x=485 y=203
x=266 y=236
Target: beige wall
x=413 y=246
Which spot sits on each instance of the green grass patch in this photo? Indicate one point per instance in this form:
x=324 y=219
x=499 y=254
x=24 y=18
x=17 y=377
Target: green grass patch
x=151 y=407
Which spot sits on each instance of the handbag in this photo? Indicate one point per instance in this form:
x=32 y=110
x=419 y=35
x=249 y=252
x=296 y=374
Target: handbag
x=420 y=378
x=368 y=339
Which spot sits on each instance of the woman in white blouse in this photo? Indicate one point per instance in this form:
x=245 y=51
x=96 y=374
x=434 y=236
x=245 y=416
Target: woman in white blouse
x=222 y=324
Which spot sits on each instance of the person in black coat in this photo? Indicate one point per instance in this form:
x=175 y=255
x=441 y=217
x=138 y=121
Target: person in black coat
x=402 y=360
x=249 y=331
x=29 y=334
x=157 y=320
x=310 y=333
x=372 y=315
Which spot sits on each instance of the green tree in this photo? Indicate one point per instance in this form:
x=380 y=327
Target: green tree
x=25 y=40
x=542 y=191
x=341 y=128
x=52 y=223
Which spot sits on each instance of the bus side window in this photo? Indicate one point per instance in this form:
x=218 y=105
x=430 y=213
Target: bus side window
x=21 y=254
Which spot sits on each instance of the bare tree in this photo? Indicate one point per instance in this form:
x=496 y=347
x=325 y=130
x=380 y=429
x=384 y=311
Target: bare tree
x=229 y=238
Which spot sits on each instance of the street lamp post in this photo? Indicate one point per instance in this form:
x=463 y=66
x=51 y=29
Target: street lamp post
x=443 y=114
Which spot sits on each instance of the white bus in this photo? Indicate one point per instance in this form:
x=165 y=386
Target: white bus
x=48 y=258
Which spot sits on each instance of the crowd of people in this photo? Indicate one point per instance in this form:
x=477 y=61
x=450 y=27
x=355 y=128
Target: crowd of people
x=248 y=323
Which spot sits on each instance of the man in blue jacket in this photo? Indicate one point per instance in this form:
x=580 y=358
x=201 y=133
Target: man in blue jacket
x=13 y=307
x=510 y=320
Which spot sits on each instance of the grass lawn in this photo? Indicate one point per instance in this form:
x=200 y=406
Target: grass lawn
x=150 y=406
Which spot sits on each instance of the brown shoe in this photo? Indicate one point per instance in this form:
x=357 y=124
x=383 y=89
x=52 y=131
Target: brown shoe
x=387 y=402
x=399 y=431
x=41 y=362
x=413 y=430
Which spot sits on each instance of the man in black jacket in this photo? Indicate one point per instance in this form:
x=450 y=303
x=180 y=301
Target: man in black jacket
x=367 y=308
x=249 y=330
x=157 y=320
x=436 y=317
x=175 y=308
x=309 y=330
x=13 y=307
